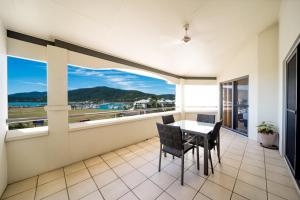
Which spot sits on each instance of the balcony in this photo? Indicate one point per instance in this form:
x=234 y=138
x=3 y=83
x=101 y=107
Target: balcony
x=86 y=132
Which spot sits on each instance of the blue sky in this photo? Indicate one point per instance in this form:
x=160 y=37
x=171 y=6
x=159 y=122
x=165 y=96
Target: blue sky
x=26 y=76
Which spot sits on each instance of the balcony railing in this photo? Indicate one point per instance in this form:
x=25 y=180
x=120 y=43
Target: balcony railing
x=17 y=123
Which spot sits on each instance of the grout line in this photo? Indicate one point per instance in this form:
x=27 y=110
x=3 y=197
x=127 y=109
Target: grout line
x=36 y=186
x=266 y=174
x=66 y=183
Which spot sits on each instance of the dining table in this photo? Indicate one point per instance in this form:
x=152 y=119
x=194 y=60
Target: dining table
x=198 y=129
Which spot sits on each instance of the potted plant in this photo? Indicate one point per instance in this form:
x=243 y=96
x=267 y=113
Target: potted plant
x=267 y=133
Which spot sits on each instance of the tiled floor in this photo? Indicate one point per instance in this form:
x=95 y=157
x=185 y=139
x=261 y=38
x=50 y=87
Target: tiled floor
x=247 y=172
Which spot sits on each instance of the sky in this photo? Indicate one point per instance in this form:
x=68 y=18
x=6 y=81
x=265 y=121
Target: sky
x=27 y=76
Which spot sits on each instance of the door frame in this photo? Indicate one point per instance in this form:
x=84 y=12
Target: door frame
x=284 y=96
x=233 y=109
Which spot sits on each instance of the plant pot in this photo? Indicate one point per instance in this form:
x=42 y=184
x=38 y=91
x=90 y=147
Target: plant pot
x=268 y=140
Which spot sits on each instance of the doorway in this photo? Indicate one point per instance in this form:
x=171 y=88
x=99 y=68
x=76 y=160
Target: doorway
x=234 y=104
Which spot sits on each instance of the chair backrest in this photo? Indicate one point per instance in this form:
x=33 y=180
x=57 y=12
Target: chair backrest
x=216 y=131
x=170 y=136
x=168 y=119
x=206 y=118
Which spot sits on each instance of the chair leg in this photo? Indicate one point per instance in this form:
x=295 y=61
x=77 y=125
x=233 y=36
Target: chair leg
x=211 y=164
x=159 y=164
x=173 y=157
x=218 y=151
x=165 y=154
x=182 y=167
x=193 y=151
x=198 y=164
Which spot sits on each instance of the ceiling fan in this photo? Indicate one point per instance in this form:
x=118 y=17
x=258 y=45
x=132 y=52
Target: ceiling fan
x=186 y=38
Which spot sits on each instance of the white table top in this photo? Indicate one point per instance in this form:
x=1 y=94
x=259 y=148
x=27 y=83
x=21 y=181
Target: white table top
x=194 y=126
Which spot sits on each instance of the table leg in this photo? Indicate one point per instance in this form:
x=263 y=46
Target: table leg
x=205 y=156
x=197 y=149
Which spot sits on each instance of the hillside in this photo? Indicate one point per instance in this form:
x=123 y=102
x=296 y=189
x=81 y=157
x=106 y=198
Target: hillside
x=96 y=94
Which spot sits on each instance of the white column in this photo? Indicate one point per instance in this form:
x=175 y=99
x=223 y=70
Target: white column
x=57 y=108
x=180 y=98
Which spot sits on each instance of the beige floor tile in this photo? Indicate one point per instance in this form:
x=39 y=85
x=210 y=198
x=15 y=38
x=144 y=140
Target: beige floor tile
x=281 y=179
x=77 y=177
x=19 y=187
x=128 y=156
x=256 y=163
x=249 y=191
x=149 y=156
x=231 y=162
x=133 y=147
x=133 y=179
x=179 y=192
x=164 y=162
x=215 y=191
x=93 y=196
x=237 y=197
x=253 y=170
x=99 y=168
x=162 y=179
x=201 y=196
x=222 y=179
x=114 y=190
x=193 y=180
x=122 y=151
x=147 y=190
x=115 y=161
x=173 y=170
x=278 y=170
x=61 y=195
x=137 y=162
x=165 y=196
x=233 y=156
x=123 y=169
x=129 y=196
x=82 y=189
x=105 y=178
x=148 y=170
x=27 y=195
x=109 y=156
x=227 y=169
x=274 y=197
x=276 y=162
x=50 y=176
x=252 y=180
x=283 y=191
x=50 y=188
x=199 y=172
x=74 y=167
x=93 y=161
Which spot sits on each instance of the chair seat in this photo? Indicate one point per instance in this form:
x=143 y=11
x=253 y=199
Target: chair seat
x=211 y=143
x=176 y=152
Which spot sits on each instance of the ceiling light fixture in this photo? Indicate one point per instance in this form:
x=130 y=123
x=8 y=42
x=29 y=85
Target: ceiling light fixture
x=186 y=38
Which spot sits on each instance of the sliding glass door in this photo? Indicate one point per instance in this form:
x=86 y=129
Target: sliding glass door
x=234 y=105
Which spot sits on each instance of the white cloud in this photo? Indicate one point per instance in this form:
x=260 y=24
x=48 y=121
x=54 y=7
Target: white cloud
x=35 y=83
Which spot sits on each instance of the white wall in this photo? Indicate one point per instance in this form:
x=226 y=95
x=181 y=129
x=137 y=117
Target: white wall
x=245 y=64
x=268 y=75
x=258 y=59
x=289 y=29
x=3 y=108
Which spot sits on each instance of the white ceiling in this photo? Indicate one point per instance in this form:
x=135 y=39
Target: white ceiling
x=147 y=31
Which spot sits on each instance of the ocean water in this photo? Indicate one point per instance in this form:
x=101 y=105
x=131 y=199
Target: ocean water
x=26 y=104
x=111 y=106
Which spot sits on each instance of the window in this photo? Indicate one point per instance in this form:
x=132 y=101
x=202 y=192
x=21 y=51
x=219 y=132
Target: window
x=27 y=93
x=200 y=97
x=108 y=93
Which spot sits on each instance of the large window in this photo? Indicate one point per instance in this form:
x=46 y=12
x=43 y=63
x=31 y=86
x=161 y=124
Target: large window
x=200 y=97
x=109 y=93
x=27 y=93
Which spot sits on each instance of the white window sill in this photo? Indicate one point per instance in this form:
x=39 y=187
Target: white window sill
x=21 y=134
x=108 y=122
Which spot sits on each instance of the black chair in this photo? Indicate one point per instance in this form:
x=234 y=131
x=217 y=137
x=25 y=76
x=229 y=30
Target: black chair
x=168 y=119
x=213 y=140
x=206 y=118
x=171 y=142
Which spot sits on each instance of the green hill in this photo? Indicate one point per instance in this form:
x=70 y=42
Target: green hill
x=96 y=94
